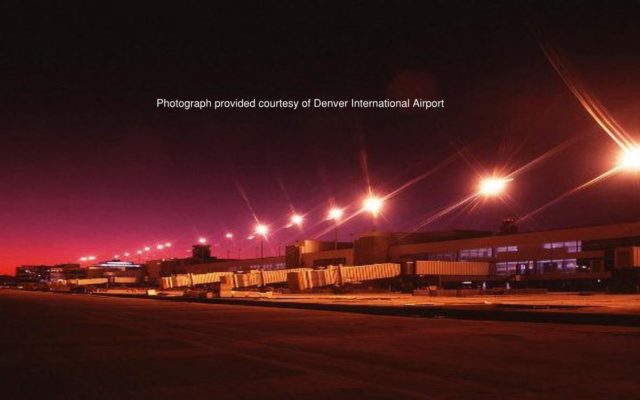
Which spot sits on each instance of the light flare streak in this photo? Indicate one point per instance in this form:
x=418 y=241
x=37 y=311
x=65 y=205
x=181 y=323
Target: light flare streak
x=445 y=211
x=572 y=191
x=591 y=104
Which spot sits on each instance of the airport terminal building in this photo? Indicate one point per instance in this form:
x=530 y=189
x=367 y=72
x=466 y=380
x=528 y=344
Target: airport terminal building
x=562 y=258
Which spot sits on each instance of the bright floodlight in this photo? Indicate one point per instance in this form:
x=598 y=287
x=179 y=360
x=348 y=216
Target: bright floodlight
x=335 y=213
x=262 y=230
x=202 y=240
x=229 y=235
x=493 y=186
x=630 y=159
x=297 y=219
x=372 y=205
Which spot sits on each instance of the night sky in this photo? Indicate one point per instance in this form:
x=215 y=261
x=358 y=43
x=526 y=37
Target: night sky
x=91 y=167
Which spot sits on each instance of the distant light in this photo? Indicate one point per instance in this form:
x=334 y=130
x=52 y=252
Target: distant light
x=630 y=159
x=116 y=256
x=91 y=258
x=250 y=237
x=168 y=244
x=229 y=235
x=139 y=252
x=159 y=247
x=262 y=230
x=335 y=213
x=297 y=219
x=493 y=186
x=126 y=254
x=83 y=258
x=147 y=248
x=373 y=205
x=202 y=240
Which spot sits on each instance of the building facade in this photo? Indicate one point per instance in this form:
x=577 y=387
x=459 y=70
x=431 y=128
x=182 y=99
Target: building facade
x=561 y=255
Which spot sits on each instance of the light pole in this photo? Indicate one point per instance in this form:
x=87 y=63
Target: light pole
x=335 y=214
x=373 y=205
x=296 y=220
x=160 y=247
x=202 y=241
x=262 y=231
x=229 y=237
x=494 y=186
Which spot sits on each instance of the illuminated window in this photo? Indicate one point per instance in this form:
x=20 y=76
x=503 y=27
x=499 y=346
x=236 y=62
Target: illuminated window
x=573 y=246
x=485 y=252
x=565 y=265
x=515 y=267
x=506 y=249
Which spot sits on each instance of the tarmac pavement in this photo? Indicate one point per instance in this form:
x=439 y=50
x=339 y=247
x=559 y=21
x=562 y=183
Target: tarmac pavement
x=61 y=346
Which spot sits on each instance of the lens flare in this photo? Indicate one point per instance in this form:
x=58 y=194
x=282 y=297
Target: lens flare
x=297 y=219
x=630 y=159
x=261 y=230
x=335 y=213
x=373 y=205
x=493 y=186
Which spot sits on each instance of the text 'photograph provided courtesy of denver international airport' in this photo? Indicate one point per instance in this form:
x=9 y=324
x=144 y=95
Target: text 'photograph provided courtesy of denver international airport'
x=320 y=200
